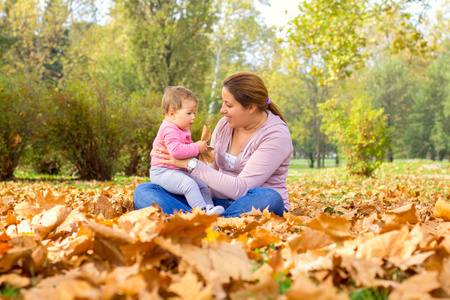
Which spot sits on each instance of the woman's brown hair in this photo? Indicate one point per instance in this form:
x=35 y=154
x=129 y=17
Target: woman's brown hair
x=248 y=88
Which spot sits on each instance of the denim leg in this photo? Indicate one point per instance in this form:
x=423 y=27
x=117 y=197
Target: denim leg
x=148 y=193
x=259 y=198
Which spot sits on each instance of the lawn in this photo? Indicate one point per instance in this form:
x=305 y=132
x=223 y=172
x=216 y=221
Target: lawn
x=344 y=238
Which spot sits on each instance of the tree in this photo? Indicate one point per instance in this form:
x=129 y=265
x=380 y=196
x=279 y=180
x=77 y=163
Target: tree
x=40 y=36
x=430 y=116
x=329 y=40
x=238 y=39
x=334 y=34
x=170 y=41
x=391 y=86
x=360 y=132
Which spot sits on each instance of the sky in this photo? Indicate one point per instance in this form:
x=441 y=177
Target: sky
x=276 y=15
x=282 y=11
x=279 y=12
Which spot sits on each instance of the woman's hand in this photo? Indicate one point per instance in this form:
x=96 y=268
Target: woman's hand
x=166 y=158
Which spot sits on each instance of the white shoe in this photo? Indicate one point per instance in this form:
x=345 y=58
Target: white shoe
x=214 y=210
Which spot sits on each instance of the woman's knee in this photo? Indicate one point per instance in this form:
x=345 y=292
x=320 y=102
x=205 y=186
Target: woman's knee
x=267 y=193
x=142 y=194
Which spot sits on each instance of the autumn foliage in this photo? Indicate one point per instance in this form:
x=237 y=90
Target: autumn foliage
x=341 y=237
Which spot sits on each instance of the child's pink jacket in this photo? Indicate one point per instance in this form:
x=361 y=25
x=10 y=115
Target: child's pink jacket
x=178 y=142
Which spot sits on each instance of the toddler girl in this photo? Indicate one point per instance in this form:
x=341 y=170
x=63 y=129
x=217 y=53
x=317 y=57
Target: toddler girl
x=179 y=105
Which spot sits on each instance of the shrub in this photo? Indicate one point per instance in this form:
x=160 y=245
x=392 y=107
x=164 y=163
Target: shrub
x=359 y=131
x=87 y=127
x=19 y=121
x=143 y=119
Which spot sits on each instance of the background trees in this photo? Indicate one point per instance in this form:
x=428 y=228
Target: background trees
x=82 y=93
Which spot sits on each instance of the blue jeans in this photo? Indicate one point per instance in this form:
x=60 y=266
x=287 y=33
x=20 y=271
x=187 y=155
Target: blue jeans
x=148 y=193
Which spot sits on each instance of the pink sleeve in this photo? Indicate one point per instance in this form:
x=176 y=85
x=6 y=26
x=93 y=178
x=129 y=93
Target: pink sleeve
x=175 y=144
x=268 y=157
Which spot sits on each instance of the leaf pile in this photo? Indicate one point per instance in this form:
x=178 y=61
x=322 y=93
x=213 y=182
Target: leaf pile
x=341 y=236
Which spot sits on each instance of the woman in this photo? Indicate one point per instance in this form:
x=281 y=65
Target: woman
x=253 y=150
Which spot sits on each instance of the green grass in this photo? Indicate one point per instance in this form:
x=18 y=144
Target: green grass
x=299 y=168
x=26 y=176
x=371 y=293
x=8 y=291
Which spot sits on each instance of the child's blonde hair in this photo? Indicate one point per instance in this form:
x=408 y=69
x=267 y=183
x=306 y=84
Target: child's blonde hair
x=174 y=96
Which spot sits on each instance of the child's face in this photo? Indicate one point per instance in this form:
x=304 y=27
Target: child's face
x=185 y=116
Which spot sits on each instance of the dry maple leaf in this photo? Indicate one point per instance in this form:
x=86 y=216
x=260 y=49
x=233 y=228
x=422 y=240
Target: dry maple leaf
x=190 y=288
x=442 y=209
x=206 y=157
x=337 y=227
x=49 y=220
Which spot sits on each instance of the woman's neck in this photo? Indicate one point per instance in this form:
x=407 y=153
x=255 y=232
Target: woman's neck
x=256 y=123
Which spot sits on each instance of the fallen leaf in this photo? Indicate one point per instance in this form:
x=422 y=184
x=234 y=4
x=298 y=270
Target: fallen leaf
x=190 y=288
x=49 y=220
x=442 y=209
x=417 y=287
x=338 y=228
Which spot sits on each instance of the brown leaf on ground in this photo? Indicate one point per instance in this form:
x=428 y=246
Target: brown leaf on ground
x=442 y=209
x=190 y=288
x=338 y=228
x=190 y=226
x=395 y=246
x=15 y=280
x=362 y=271
x=265 y=288
x=49 y=220
x=103 y=206
x=309 y=239
x=49 y=200
x=229 y=261
x=303 y=288
x=262 y=237
x=444 y=276
x=14 y=257
x=25 y=209
x=417 y=287
x=395 y=219
x=11 y=218
x=111 y=234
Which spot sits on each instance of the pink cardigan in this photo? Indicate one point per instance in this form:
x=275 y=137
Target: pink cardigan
x=263 y=161
x=178 y=142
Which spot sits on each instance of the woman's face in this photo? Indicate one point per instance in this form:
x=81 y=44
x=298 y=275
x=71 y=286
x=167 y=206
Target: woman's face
x=237 y=116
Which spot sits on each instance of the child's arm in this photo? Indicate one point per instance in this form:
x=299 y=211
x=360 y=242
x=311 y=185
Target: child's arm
x=175 y=145
x=202 y=146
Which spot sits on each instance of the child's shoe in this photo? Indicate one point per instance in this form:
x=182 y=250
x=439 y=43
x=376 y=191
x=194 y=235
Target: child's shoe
x=214 y=210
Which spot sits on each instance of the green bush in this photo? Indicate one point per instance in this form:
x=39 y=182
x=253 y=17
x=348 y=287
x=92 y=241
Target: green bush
x=19 y=121
x=359 y=131
x=142 y=122
x=87 y=125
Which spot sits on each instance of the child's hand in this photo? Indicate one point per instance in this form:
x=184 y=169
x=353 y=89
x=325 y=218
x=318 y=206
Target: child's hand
x=202 y=146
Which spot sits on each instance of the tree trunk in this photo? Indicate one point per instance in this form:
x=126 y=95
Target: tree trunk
x=390 y=155
x=212 y=104
x=323 y=159
x=311 y=160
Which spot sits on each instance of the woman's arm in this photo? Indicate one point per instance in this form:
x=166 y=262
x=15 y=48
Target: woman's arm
x=270 y=154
